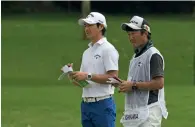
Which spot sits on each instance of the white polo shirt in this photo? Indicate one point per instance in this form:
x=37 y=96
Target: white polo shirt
x=98 y=59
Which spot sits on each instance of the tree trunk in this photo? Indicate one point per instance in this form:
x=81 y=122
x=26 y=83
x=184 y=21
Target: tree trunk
x=69 y=6
x=85 y=11
x=193 y=62
x=48 y=6
x=194 y=11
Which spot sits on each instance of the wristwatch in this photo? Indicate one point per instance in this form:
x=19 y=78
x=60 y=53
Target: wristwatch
x=134 y=86
x=89 y=76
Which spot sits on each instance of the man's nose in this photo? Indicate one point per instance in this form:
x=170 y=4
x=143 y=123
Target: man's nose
x=130 y=37
x=86 y=28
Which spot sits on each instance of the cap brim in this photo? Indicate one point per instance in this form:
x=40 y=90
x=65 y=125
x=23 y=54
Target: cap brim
x=124 y=26
x=83 y=21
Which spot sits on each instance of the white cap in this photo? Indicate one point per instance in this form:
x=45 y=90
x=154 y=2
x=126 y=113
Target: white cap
x=136 y=23
x=93 y=18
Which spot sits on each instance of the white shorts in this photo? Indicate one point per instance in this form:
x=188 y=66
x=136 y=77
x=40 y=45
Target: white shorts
x=155 y=117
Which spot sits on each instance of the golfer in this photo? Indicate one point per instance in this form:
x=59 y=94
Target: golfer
x=99 y=62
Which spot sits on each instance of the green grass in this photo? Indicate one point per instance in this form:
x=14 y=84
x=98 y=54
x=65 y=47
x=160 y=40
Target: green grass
x=35 y=48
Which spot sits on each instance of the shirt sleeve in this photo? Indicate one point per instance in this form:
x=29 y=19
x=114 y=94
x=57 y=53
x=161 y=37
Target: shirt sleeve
x=156 y=66
x=110 y=59
x=81 y=68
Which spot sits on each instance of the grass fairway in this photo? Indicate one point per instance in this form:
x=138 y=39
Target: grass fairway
x=34 y=48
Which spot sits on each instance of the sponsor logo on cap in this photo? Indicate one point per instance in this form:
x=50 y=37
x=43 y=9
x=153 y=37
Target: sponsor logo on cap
x=135 y=22
x=100 y=21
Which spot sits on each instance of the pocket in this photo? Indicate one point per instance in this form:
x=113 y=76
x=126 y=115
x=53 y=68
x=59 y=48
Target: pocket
x=110 y=111
x=110 y=107
x=155 y=116
x=135 y=117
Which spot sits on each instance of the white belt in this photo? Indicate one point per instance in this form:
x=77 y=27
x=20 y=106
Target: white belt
x=95 y=99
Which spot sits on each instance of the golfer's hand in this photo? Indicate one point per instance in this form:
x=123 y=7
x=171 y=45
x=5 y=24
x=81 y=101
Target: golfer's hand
x=70 y=64
x=75 y=83
x=115 y=85
x=78 y=76
x=125 y=86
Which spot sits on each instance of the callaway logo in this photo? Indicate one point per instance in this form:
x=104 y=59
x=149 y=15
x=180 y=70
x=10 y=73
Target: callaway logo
x=97 y=56
x=100 y=21
x=139 y=64
x=90 y=15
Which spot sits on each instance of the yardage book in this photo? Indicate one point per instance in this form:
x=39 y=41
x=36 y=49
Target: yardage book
x=66 y=71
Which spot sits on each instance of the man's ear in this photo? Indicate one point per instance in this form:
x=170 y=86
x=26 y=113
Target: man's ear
x=145 y=33
x=101 y=27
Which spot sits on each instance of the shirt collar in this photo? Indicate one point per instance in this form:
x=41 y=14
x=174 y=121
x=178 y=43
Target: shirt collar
x=99 y=42
x=143 y=48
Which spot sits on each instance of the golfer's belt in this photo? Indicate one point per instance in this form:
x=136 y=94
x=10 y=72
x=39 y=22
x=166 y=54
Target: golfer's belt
x=95 y=99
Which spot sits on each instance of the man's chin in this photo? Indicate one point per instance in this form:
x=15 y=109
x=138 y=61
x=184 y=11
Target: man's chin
x=88 y=36
x=134 y=45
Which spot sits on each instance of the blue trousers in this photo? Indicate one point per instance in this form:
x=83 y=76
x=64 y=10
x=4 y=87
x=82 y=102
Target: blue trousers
x=98 y=114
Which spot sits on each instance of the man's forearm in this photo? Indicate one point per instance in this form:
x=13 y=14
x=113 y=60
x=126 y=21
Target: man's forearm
x=102 y=78
x=154 y=84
